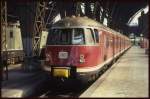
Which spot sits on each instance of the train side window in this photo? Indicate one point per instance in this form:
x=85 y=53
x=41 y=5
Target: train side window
x=89 y=36
x=96 y=35
x=11 y=34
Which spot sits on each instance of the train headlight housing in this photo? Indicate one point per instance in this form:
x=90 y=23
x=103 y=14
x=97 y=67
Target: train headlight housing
x=82 y=59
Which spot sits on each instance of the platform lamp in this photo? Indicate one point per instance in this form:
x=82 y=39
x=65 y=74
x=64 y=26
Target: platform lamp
x=141 y=35
x=141 y=38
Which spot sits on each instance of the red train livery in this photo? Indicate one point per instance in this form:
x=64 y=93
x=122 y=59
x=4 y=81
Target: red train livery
x=78 y=47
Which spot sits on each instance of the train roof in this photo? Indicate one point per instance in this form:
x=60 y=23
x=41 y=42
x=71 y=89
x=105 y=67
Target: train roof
x=82 y=21
x=77 y=21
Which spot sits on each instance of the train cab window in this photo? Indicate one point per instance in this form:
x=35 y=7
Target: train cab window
x=59 y=37
x=89 y=37
x=64 y=36
x=11 y=34
x=78 y=36
x=96 y=35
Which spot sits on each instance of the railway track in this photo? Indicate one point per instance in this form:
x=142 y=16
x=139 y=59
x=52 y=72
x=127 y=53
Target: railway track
x=64 y=89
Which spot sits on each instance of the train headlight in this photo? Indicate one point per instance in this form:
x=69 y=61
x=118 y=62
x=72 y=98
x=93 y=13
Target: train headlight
x=82 y=60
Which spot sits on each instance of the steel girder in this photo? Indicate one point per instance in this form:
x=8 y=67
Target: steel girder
x=3 y=27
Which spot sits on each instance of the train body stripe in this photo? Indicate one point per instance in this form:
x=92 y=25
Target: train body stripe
x=90 y=69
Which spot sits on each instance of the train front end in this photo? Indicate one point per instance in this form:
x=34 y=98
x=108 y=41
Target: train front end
x=71 y=52
x=63 y=51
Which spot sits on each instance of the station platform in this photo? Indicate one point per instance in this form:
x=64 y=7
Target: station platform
x=128 y=77
x=22 y=83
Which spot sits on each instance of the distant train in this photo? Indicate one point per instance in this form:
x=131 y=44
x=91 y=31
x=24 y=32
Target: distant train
x=14 y=47
x=144 y=43
x=79 y=47
x=14 y=43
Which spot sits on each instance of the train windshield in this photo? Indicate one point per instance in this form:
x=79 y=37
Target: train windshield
x=78 y=36
x=67 y=36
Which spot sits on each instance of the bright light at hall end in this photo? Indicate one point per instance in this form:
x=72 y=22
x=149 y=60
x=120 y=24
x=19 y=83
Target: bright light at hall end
x=134 y=19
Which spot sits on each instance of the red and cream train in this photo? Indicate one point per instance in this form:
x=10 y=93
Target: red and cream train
x=78 y=47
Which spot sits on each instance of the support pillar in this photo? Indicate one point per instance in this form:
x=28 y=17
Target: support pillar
x=3 y=27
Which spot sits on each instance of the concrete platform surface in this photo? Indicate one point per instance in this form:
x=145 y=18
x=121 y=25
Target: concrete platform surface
x=21 y=83
x=128 y=77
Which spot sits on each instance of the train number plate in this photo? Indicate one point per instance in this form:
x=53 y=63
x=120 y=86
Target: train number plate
x=61 y=72
x=63 y=55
